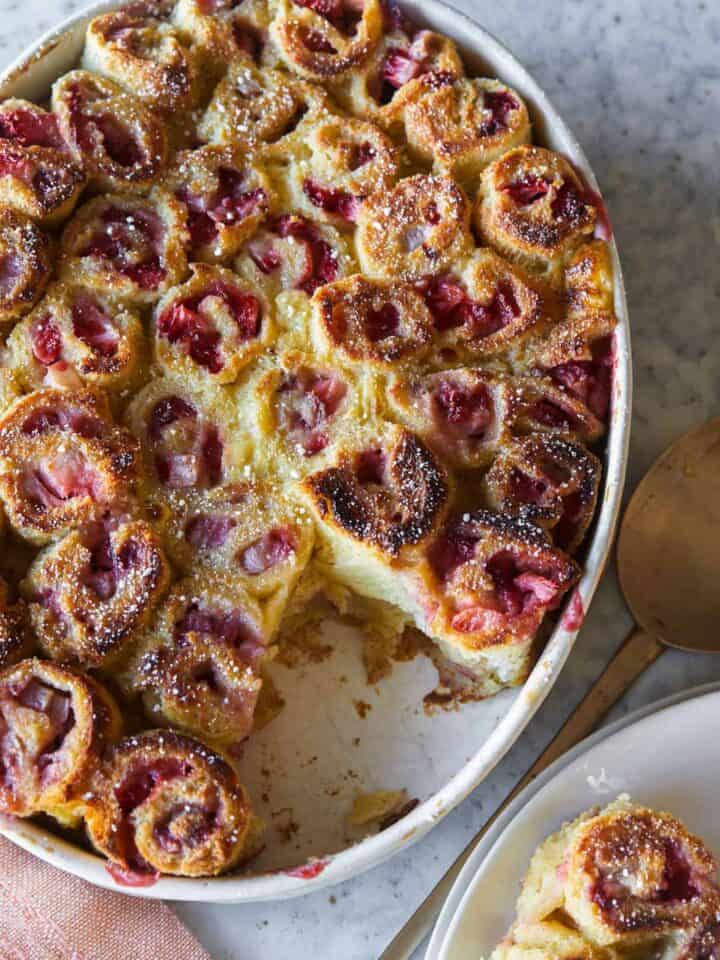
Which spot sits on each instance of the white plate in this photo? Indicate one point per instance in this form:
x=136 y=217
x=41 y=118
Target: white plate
x=319 y=751
x=665 y=755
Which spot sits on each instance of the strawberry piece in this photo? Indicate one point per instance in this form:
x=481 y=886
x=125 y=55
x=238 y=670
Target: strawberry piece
x=46 y=341
x=338 y=202
x=500 y=104
x=383 y=323
x=528 y=190
x=268 y=551
x=30 y=128
x=467 y=410
x=204 y=531
x=94 y=327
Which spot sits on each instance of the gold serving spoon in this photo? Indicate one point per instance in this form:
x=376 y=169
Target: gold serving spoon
x=669 y=565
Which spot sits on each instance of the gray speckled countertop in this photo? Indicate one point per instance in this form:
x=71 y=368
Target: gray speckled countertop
x=639 y=83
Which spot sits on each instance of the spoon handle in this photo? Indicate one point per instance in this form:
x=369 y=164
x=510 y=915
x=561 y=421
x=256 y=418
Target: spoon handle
x=637 y=653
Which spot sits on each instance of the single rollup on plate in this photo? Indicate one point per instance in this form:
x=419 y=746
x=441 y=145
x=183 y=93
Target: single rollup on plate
x=281 y=367
x=620 y=878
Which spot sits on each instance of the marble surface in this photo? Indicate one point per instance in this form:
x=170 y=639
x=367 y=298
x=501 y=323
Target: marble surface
x=640 y=85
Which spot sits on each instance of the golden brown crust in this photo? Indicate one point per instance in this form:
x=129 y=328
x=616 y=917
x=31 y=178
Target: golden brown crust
x=381 y=88
x=55 y=726
x=634 y=873
x=163 y=802
x=323 y=47
x=538 y=405
x=484 y=307
x=534 y=208
x=294 y=253
x=74 y=336
x=210 y=327
x=418 y=228
x=460 y=125
x=389 y=495
x=120 y=143
x=493 y=579
x=549 y=480
x=548 y=940
x=226 y=199
x=38 y=176
x=141 y=50
x=90 y=594
x=246 y=527
x=462 y=413
x=25 y=266
x=129 y=248
x=184 y=433
x=16 y=640
x=250 y=106
x=224 y=30
x=63 y=462
x=198 y=667
x=371 y=321
x=303 y=409
x=335 y=163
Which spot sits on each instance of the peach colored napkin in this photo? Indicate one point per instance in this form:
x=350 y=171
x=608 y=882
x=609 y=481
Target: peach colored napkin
x=46 y=914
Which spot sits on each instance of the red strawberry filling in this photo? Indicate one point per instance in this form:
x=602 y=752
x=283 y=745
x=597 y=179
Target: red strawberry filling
x=62 y=418
x=677 y=884
x=338 y=202
x=94 y=327
x=30 y=128
x=316 y=41
x=231 y=628
x=103 y=131
x=136 y=788
x=106 y=568
x=499 y=104
x=198 y=462
x=344 y=15
x=229 y=205
x=525 y=489
x=309 y=398
x=186 y=825
x=11 y=269
x=451 y=307
x=65 y=477
x=370 y=467
x=451 y=550
x=527 y=190
x=382 y=323
x=521 y=583
x=550 y=414
x=206 y=531
x=320 y=261
x=14 y=162
x=589 y=380
x=46 y=341
x=143 y=780
x=189 y=322
x=399 y=68
x=465 y=410
x=268 y=551
x=131 y=241
x=56 y=705
x=569 y=205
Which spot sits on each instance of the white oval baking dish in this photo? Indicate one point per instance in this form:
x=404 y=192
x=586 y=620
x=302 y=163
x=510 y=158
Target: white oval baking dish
x=439 y=759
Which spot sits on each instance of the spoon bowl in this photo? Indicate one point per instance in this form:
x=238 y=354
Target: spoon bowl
x=668 y=551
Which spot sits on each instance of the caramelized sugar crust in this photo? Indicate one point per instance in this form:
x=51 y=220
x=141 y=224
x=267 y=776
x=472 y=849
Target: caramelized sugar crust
x=621 y=881
x=290 y=305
